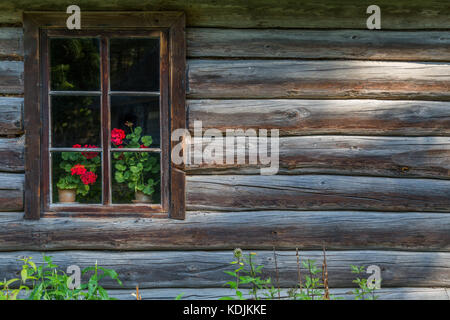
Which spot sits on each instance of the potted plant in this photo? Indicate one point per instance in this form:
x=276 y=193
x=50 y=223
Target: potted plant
x=79 y=173
x=135 y=168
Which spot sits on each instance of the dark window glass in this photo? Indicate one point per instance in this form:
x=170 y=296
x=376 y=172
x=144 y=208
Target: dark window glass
x=134 y=64
x=78 y=173
x=141 y=111
x=75 y=64
x=75 y=120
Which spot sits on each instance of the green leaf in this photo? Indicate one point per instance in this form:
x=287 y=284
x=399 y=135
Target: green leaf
x=138 y=131
x=178 y=297
x=120 y=167
x=147 y=140
x=24 y=275
x=119 y=177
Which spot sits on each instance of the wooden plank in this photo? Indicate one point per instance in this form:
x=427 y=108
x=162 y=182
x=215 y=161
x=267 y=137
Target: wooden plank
x=205 y=269
x=297 y=192
x=177 y=63
x=216 y=293
x=32 y=120
x=348 y=155
x=313 y=79
x=297 y=79
x=319 y=44
x=11 y=192
x=302 y=44
x=307 y=230
x=11 y=44
x=309 y=117
x=11 y=155
x=11 y=116
x=402 y=14
x=316 y=192
x=11 y=77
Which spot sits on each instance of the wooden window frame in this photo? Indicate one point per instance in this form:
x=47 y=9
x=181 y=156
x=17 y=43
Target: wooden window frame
x=170 y=26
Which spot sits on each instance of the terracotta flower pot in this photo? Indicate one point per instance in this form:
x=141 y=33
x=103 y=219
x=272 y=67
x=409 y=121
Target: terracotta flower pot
x=141 y=197
x=67 y=195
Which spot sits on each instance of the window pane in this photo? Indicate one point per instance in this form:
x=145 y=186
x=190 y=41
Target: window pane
x=134 y=64
x=143 y=113
x=136 y=177
x=75 y=120
x=75 y=64
x=76 y=174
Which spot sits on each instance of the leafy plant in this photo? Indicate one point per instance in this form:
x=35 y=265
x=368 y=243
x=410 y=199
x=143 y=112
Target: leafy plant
x=135 y=168
x=12 y=294
x=310 y=289
x=48 y=282
x=248 y=273
x=363 y=292
x=79 y=170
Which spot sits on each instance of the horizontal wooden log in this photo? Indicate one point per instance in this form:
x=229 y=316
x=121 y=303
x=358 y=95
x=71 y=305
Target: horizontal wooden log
x=347 y=155
x=316 y=192
x=11 y=191
x=284 y=192
x=307 y=230
x=309 y=117
x=296 y=79
x=300 y=44
x=201 y=269
x=11 y=77
x=11 y=43
x=401 y=14
x=313 y=79
x=373 y=156
x=11 y=116
x=217 y=293
x=12 y=155
x=319 y=44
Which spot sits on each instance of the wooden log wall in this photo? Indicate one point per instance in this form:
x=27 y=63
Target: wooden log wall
x=364 y=121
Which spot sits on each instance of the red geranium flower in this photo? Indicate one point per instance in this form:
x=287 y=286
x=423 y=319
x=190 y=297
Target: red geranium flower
x=89 y=155
x=142 y=146
x=78 y=169
x=88 y=177
x=117 y=136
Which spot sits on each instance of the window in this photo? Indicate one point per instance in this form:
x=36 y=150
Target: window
x=98 y=127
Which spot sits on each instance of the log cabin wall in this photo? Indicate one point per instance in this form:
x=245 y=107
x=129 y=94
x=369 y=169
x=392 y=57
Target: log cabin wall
x=364 y=120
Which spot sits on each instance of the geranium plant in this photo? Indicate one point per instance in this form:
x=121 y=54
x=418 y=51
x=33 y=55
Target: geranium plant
x=134 y=168
x=80 y=170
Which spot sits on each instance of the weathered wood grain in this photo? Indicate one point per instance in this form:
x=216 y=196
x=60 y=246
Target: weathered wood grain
x=11 y=116
x=316 y=192
x=296 y=79
x=319 y=44
x=313 y=79
x=202 y=269
x=11 y=155
x=348 y=155
x=11 y=77
x=402 y=14
x=309 y=117
x=297 y=117
x=300 y=43
x=11 y=192
x=11 y=44
x=307 y=230
x=217 y=293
